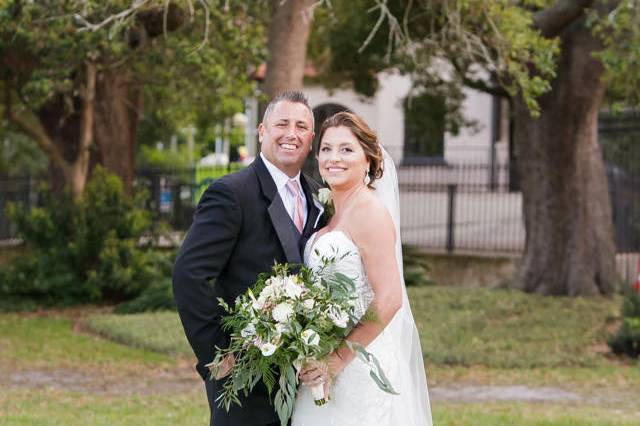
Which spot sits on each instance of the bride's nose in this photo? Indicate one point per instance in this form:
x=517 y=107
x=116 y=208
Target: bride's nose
x=334 y=156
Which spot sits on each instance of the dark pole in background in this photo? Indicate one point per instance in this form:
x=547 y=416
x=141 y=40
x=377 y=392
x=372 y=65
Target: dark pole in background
x=496 y=115
x=451 y=217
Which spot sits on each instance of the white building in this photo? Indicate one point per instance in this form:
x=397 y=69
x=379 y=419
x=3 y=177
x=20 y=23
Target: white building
x=385 y=113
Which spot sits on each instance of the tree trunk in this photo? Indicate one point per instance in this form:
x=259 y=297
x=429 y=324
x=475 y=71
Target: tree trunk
x=288 y=35
x=569 y=247
x=118 y=108
x=67 y=125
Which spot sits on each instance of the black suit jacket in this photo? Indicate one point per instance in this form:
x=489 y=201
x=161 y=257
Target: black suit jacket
x=240 y=228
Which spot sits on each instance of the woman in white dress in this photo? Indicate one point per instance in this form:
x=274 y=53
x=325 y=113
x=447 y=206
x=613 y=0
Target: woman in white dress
x=365 y=228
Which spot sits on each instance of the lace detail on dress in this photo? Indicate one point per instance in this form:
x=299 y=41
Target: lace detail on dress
x=355 y=398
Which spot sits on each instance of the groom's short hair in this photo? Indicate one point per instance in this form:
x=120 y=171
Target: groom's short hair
x=293 y=96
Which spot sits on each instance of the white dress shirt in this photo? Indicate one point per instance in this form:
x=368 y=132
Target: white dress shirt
x=280 y=178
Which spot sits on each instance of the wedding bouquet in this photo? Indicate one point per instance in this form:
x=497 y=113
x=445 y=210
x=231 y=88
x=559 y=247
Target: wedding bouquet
x=284 y=321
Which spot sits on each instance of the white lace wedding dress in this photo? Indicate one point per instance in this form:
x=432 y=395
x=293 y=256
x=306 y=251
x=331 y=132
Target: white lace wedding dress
x=355 y=398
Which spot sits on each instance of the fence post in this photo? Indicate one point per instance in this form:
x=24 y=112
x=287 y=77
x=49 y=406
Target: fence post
x=451 y=217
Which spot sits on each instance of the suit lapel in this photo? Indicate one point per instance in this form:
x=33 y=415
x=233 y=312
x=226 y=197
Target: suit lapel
x=312 y=209
x=280 y=219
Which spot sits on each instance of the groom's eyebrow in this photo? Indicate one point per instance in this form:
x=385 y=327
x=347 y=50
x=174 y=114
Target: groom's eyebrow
x=286 y=120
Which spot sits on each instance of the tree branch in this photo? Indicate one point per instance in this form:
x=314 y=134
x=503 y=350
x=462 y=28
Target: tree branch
x=33 y=130
x=482 y=86
x=89 y=92
x=479 y=84
x=552 y=20
x=118 y=17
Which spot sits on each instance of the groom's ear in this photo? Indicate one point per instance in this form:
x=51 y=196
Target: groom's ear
x=260 y=132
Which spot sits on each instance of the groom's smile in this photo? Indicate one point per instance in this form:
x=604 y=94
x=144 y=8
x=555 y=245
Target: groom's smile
x=286 y=136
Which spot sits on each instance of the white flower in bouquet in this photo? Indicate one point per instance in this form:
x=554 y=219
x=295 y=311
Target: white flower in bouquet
x=292 y=289
x=249 y=330
x=257 y=304
x=309 y=304
x=271 y=291
x=268 y=349
x=282 y=328
x=282 y=312
x=276 y=283
x=338 y=317
x=310 y=337
x=268 y=294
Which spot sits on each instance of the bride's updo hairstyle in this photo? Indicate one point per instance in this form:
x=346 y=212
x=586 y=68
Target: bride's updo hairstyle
x=367 y=138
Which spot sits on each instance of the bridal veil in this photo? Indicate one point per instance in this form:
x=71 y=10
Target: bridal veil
x=412 y=408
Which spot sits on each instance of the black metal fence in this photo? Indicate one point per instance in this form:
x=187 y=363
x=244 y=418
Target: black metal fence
x=620 y=142
x=460 y=208
x=452 y=208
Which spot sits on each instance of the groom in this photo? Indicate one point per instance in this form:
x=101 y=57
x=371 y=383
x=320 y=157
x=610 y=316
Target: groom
x=243 y=223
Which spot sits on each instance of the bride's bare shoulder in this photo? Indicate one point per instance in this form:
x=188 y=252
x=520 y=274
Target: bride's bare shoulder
x=370 y=221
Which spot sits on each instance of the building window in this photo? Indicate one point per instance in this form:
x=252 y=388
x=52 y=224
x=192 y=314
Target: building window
x=424 y=127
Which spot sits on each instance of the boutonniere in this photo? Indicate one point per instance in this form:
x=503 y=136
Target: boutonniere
x=326 y=200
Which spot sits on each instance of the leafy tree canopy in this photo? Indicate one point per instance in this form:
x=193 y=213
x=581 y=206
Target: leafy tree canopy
x=491 y=45
x=188 y=57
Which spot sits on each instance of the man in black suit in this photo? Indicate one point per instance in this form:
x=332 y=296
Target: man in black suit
x=243 y=223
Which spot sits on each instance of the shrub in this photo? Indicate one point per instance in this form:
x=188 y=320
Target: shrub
x=416 y=269
x=84 y=250
x=157 y=297
x=627 y=339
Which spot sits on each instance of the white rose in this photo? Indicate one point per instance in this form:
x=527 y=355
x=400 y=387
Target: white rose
x=292 y=289
x=282 y=312
x=324 y=195
x=275 y=282
x=310 y=337
x=267 y=292
x=281 y=328
x=257 y=304
x=309 y=304
x=268 y=349
x=249 y=330
x=338 y=317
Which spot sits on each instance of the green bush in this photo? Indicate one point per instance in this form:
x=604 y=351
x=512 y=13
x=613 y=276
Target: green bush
x=415 y=266
x=627 y=339
x=84 y=250
x=157 y=297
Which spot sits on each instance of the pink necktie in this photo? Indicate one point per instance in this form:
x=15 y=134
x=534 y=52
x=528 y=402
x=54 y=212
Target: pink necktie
x=292 y=185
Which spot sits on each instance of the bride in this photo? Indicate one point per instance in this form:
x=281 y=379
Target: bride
x=365 y=230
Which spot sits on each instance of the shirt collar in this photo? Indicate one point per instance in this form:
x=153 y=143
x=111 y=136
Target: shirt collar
x=280 y=178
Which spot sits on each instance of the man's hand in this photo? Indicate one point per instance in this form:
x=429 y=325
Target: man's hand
x=223 y=369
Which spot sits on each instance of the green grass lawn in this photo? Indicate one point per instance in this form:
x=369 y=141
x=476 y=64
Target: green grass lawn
x=35 y=341
x=158 y=331
x=494 y=328
x=510 y=329
x=53 y=408
x=469 y=336
x=49 y=407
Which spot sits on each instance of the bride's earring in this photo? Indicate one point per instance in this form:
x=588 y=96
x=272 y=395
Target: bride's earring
x=367 y=179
